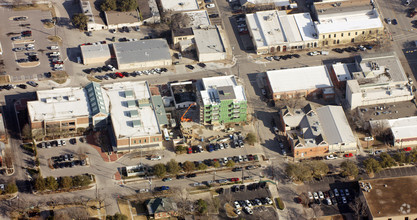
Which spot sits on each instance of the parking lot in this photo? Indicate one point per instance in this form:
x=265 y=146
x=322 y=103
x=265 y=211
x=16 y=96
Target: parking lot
x=35 y=42
x=388 y=111
x=264 y=211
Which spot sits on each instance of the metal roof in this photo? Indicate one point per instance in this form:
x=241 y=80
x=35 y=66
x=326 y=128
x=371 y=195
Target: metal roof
x=95 y=98
x=335 y=125
x=159 y=109
x=141 y=51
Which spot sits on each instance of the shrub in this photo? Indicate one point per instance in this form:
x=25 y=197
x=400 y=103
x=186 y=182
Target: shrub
x=280 y=204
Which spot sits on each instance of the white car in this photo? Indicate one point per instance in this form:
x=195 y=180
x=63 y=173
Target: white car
x=315 y=53
x=329 y=202
x=344 y=200
x=331 y=157
x=240 y=159
x=210 y=5
x=237 y=211
x=315 y=195
x=336 y=192
x=248 y=204
x=248 y=210
x=310 y=196
x=237 y=205
x=321 y=195
x=268 y=200
x=63 y=143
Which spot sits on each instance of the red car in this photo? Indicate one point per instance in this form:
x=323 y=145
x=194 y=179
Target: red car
x=119 y=75
x=189 y=151
x=234 y=179
x=407 y=149
x=348 y=155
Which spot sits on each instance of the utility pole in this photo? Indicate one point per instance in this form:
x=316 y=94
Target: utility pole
x=242 y=173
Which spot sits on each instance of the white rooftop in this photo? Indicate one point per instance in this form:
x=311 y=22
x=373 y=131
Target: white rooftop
x=335 y=125
x=59 y=104
x=198 y=18
x=404 y=127
x=349 y=21
x=214 y=86
x=93 y=51
x=179 y=5
x=276 y=2
x=342 y=71
x=276 y=27
x=208 y=40
x=286 y=80
x=127 y=99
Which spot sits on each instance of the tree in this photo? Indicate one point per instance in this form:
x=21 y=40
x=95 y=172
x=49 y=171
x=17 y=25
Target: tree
x=160 y=170
x=127 y=5
x=230 y=163
x=318 y=168
x=358 y=208
x=413 y=156
x=80 y=21
x=66 y=182
x=372 y=166
x=386 y=160
x=189 y=166
x=299 y=172
x=349 y=169
x=251 y=138
x=116 y=216
x=81 y=180
x=11 y=187
x=108 y=5
x=401 y=157
x=201 y=206
x=51 y=183
x=179 y=20
x=216 y=164
x=173 y=167
x=26 y=132
x=202 y=166
x=39 y=183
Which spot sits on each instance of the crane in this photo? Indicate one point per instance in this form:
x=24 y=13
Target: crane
x=183 y=119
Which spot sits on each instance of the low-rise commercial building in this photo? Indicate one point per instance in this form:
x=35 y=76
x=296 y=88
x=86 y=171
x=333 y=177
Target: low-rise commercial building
x=183 y=37
x=94 y=22
x=311 y=82
x=142 y=54
x=222 y=100
x=340 y=73
x=118 y=19
x=380 y=78
x=276 y=3
x=133 y=117
x=179 y=5
x=390 y=198
x=95 y=54
x=315 y=132
x=184 y=94
x=209 y=44
x=275 y=31
x=149 y=12
x=402 y=130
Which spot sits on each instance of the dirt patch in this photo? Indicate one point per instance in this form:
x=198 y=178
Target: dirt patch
x=48 y=25
x=230 y=211
x=56 y=39
x=59 y=76
x=138 y=208
x=4 y=79
x=124 y=208
x=93 y=79
x=29 y=64
x=42 y=7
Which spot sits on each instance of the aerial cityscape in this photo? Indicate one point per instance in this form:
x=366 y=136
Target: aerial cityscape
x=208 y=109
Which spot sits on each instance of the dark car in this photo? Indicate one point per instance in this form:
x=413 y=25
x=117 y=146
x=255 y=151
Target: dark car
x=213 y=15
x=191 y=175
x=32 y=83
x=242 y=187
x=201 y=65
x=236 y=169
x=394 y=21
x=220 y=191
x=189 y=67
x=22 y=86
x=180 y=177
x=295 y=55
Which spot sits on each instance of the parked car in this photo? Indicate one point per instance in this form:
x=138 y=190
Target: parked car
x=31 y=83
x=321 y=196
x=315 y=195
x=315 y=53
x=166 y=179
x=191 y=67
x=210 y=5
x=310 y=195
x=348 y=155
x=331 y=157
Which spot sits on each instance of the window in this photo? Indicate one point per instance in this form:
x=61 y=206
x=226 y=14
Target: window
x=341 y=34
x=330 y=36
x=377 y=31
x=363 y=32
x=334 y=41
x=349 y=34
x=153 y=139
x=370 y=32
x=334 y=35
x=157 y=139
x=140 y=141
x=134 y=141
x=356 y=33
x=144 y=140
x=352 y=40
x=324 y=37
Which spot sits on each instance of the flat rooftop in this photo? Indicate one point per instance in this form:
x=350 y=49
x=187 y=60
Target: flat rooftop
x=338 y=6
x=198 y=18
x=343 y=70
x=92 y=12
x=276 y=2
x=276 y=27
x=95 y=51
x=348 y=21
x=59 y=104
x=131 y=110
x=208 y=40
x=117 y=17
x=179 y=5
x=286 y=80
x=216 y=89
x=142 y=51
x=392 y=196
x=404 y=127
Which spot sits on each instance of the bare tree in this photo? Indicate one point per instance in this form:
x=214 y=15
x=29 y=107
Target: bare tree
x=317 y=210
x=8 y=158
x=357 y=120
x=183 y=201
x=180 y=20
x=358 y=207
x=82 y=152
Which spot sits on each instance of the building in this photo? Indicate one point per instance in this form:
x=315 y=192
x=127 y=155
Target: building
x=142 y=54
x=184 y=34
x=315 y=132
x=95 y=54
x=97 y=103
x=340 y=73
x=222 y=100
x=209 y=44
x=179 y=5
x=326 y=7
x=349 y=27
x=149 y=12
x=184 y=94
x=275 y=31
x=276 y=3
x=3 y=132
x=161 y=208
x=117 y=19
x=390 y=198
x=380 y=78
x=311 y=82
x=402 y=130
x=133 y=116
x=62 y=111
x=95 y=22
